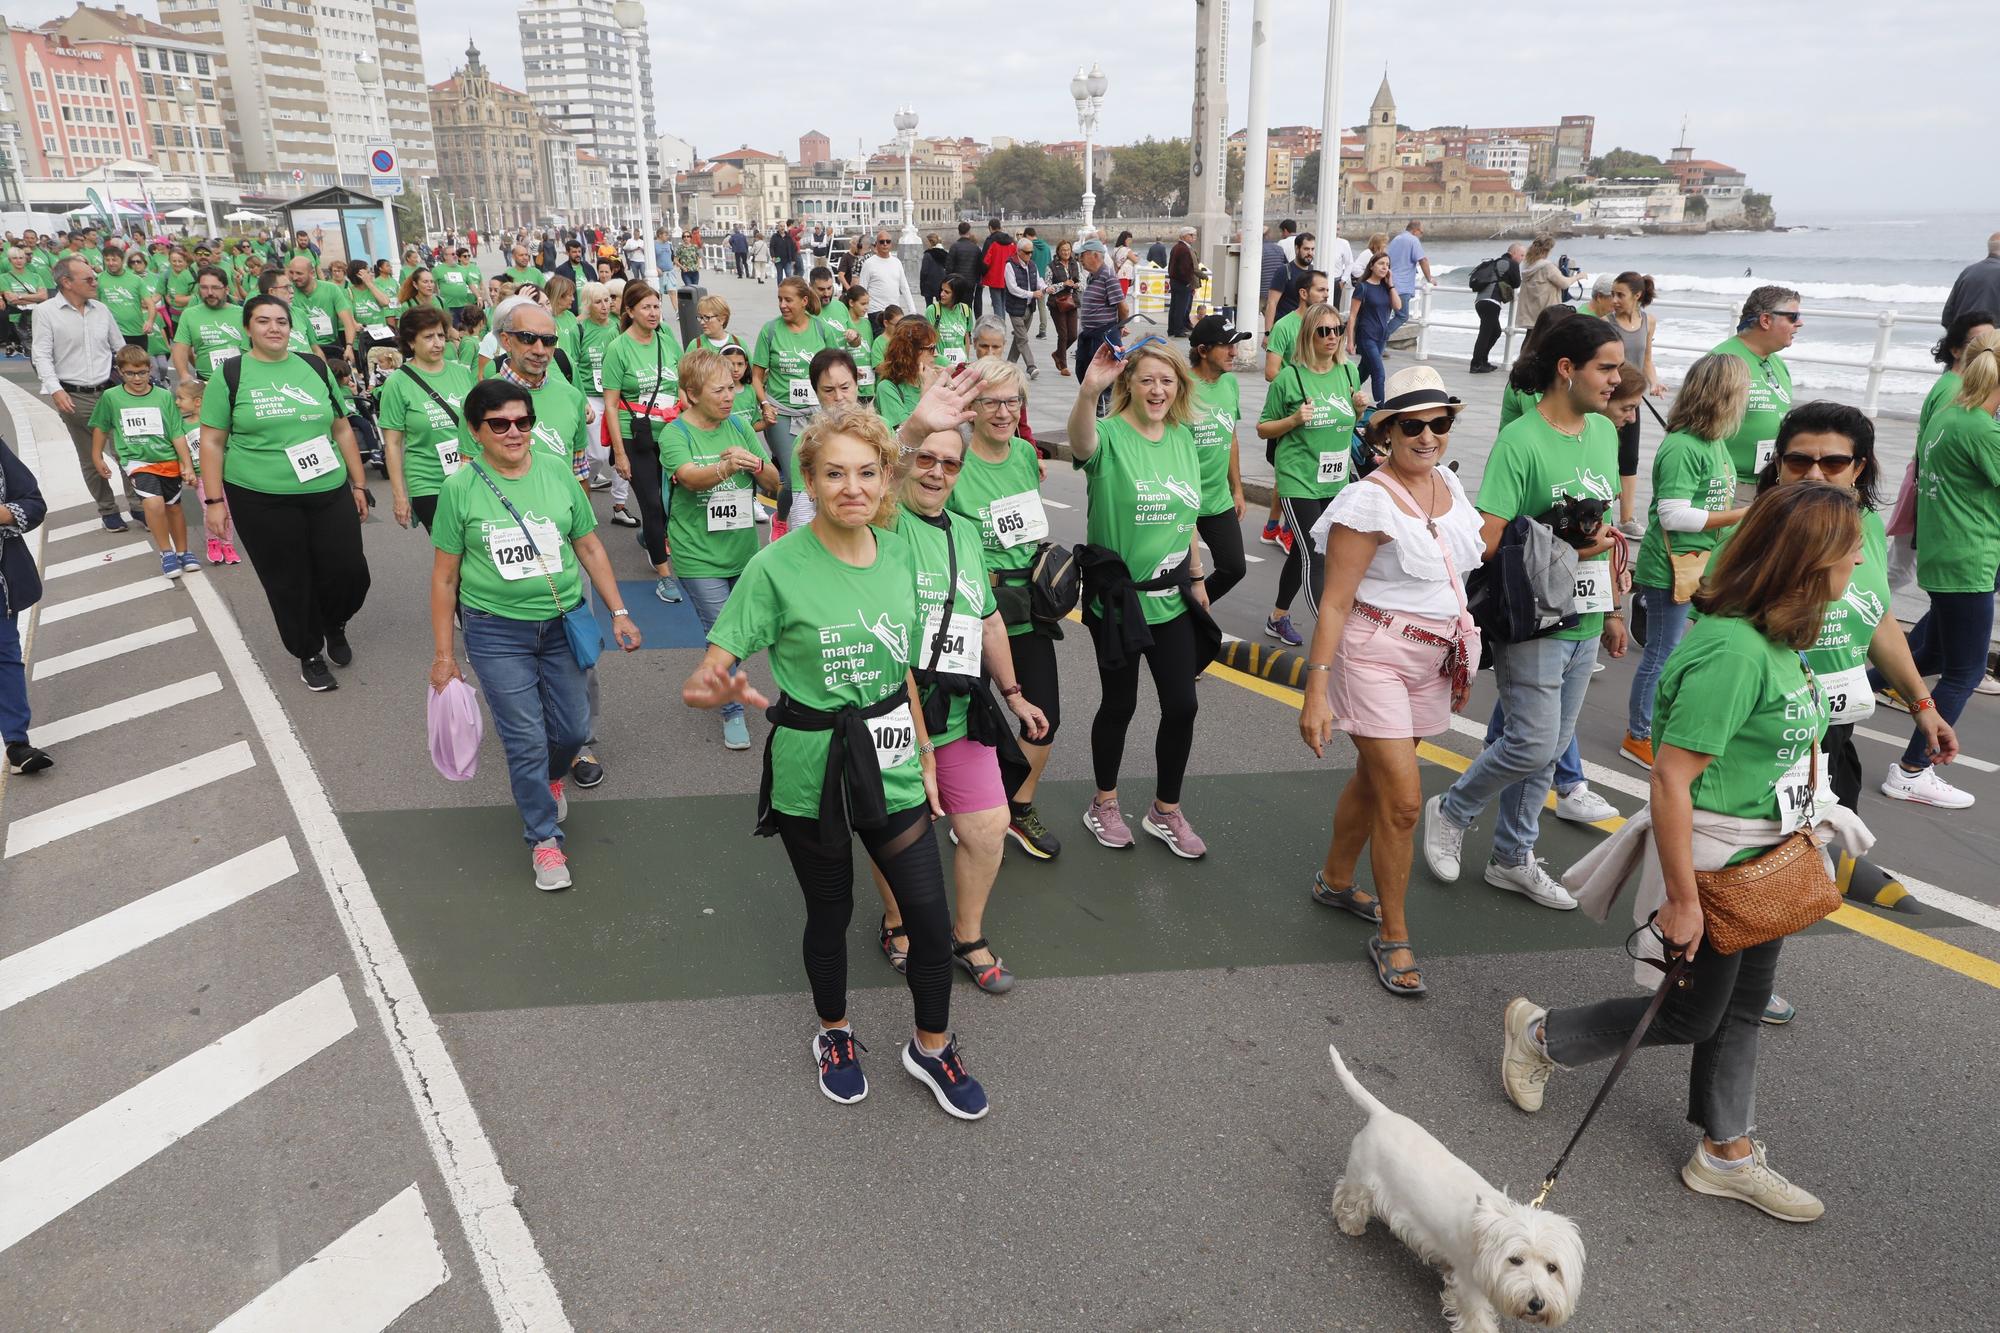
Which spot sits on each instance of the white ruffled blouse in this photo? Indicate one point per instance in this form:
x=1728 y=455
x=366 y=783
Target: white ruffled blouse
x=1408 y=572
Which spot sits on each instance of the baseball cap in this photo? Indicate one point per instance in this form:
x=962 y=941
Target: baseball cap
x=1214 y=331
x=1092 y=246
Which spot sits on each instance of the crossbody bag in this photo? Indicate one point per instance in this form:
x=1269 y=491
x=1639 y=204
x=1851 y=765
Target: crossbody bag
x=586 y=640
x=1463 y=659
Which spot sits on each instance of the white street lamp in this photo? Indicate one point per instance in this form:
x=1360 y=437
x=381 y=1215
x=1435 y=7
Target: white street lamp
x=631 y=16
x=184 y=94
x=906 y=130
x=1088 y=90
x=370 y=76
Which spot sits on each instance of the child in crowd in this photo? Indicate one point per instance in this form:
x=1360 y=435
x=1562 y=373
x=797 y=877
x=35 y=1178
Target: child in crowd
x=366 y=438
x=148 y=438
x=221 y=547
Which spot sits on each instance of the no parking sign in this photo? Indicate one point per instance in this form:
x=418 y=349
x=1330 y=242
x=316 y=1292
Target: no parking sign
x=385 y=176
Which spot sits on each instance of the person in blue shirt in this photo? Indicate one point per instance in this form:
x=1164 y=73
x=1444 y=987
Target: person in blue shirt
x=1406 y=256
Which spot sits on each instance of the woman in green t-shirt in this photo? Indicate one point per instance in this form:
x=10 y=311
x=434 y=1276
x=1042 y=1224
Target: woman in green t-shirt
x=275 y=441
x=903 y=370
x=421 y=405
x=779 y=372
x=513 y=534
x=1693 y=505
x=641 y=388
x=951 y=315
x=1310 y=411
x=180 y=279
x=855 y=302
x=371 y=304
x=595 y=332
x=1738 y=724
x=1517 y=397
x=835 y=607
x=1144 y=494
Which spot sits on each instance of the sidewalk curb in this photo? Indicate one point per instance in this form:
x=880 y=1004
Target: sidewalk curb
x=1281 y=665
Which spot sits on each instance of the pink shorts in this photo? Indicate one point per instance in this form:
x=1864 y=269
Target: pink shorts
x=1386 y=685
x=968 y=777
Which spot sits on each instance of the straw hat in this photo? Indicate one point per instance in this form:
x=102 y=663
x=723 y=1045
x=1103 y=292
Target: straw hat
x=1412 y=389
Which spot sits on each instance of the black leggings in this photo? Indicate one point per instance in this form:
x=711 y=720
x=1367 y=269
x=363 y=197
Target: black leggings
x=306 y=551
x=1843 y=764
x=646 y=488
x=1172 y=660
x=1302 y=564
x=1224 y=538
x=906 y=853
x=1628 y=448
x=1035 y=672
x=423 y=508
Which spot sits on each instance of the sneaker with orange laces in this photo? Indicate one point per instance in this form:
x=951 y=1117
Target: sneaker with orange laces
x=551 y=866
x=944 y=1074
x=1639 y=749
x=840 y=1076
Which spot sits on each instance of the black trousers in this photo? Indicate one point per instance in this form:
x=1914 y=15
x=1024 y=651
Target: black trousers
x=1489 y=332
x=1172 y=660
x=1224 y=538
x=742 y=264
x=1303 y=565
x=906 y=852
x=646 y=488
x=1180 y=304
x=307 y=552
x=1034 y=655
x=424 y=508
x=1628 y=448
x=1843 y=764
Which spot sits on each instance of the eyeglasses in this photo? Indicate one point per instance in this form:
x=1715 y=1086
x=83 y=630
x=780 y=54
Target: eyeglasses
x=1327 y=331
x=510 y=425
x=709 y=319
x=1828 y=463
x=136 y=372
x=924 y=460
x=1412 y=428
x=883 y=240
x=532 y=339
x=999 y=404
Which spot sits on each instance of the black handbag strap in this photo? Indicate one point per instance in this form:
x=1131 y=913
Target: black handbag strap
x=950 y=597
x=526 y=535
x=424 y=384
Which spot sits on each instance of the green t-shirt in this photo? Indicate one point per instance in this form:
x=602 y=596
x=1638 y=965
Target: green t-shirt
x=743 y=407
x=865 y=361
x=1700 y=472
x=786 y=357
x=1014 y=485
x=896 y=402
x=125 y=293
x=838 y=637
x=318 y=312
x=465 y=352
x=458 y=284
x=593 y=340
x=1284 y=336
x=1749 y=705
x=641 y=373
x=562 y=421
x=281 y=435
x=1533 y=464
x=1942 y=392
x=1958 y=501
x=1513 y=402
x=1770 y=399
x=1216 y=408
x=713 y=533
x=1840 y=655
x=879 y=348
x=1143 y=500
x=180 y=287
x=498 y=572
x=971 y=600
x=24 y=283
x=367 y=310
x=214 y=335
x=142 y=427
x=520 y=276
x=954 y=332
x=1312 y=462
x=435 y=444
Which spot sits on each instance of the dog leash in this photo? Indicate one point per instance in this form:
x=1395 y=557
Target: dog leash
x=1675 y=978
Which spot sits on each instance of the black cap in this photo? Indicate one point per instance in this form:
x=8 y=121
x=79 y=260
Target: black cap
x=1214 y=331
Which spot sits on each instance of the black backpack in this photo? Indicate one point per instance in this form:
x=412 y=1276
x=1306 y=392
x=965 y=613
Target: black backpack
x=1484 y=274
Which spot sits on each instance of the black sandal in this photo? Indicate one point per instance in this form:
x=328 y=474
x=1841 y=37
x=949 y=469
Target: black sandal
x=993 y=978
x=1347 y=899
x=898 y=958
x=1387 y=973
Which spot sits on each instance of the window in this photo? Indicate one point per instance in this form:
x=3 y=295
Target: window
x=131 y=118
x=146 y=83
x=145 y=58
x=159 y=137
x=201 y=64
x=180 y=62
x=35 y=79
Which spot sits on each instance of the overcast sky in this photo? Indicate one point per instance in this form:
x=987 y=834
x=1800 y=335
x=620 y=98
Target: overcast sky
x=1827 y=104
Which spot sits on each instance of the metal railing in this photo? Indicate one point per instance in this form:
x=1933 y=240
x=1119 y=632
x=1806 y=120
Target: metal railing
x=1876 y=364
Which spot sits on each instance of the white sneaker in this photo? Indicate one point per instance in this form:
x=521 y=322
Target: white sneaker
x=1442 y=842
x=1925 y=788
x=1987 y=685
x=1756 y=1184
x=1524 y=1070
x=1530 y=881
x=1581 y=805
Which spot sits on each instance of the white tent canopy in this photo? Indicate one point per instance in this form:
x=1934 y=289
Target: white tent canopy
x=186 y=214
x=244 y=215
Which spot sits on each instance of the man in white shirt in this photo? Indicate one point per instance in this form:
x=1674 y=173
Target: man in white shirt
x=74 y=340
x=887 y=281
x=1336 y=256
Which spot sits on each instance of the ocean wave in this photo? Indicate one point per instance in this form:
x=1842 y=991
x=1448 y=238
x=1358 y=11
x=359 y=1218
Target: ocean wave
x=1870 y=293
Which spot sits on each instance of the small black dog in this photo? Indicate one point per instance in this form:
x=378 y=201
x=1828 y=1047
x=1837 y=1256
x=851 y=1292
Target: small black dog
x=1575 y=520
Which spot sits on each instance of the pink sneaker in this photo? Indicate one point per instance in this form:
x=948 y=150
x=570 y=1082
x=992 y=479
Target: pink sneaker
x=229 y=556
x=215 y=556
x=1172 y=828
x=551 y=866
x=1106 y=824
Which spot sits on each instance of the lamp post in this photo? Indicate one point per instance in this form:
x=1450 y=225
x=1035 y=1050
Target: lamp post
x=370 y=76
x=906 y=130
x=1088 y=90
x=631 y=16
x=184 y=94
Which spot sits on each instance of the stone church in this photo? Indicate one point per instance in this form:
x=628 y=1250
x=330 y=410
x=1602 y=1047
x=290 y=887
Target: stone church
x=1384 y=185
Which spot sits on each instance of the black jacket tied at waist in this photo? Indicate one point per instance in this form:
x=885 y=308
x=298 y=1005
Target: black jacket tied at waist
x=985 y=721
x=1109 y=585
x=850 y=791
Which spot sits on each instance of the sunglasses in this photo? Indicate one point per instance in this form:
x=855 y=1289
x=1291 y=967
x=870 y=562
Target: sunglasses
x=924 y=460
x=1327 y=331
x=1827 y=462
x=1123 y=353
x=1411 y=429
x=510 y=425
x=542 y=339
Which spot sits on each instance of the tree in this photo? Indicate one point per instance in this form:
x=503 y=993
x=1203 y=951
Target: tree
x=1305 y=179
x=1232 y=179
x=1151 y=177
x=1695 y=208
x=1024 y=179
x=1625 y=162
x=1757 y=210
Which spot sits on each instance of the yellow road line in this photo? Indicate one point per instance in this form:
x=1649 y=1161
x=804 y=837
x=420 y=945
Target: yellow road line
x=1913 y=942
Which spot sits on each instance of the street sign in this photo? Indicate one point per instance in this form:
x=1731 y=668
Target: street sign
x=385 y=179
x=864 y=187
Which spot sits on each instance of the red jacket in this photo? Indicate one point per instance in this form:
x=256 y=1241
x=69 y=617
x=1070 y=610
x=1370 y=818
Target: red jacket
x=998 y=254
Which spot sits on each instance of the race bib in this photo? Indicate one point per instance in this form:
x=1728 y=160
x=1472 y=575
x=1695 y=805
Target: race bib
x=379 y=332
x=864 y=376
x=221 y=354
x=1018 y=519
x=322 y=323
x=1332 y=467
x=1798 y=801
x=1848 y=698
x=1166 y=566
x=449 y=456
x=1593 y=588
x=895 y=736
x=728 y=509
x=799 y=393
x=953 y=356
x=959 y=653
x=597 y=380
x=1766 y=451
x=314 y=458
x=516 y=559
x=136 y=421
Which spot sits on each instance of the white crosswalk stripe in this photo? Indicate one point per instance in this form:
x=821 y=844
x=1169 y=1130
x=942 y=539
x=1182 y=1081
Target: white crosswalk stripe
x=127 y=710
x=1979 y=765
x=83 y=563
x=69 y=530
x=54 y=612
x=87 y=812
x=110 y=648
x=379 y=1268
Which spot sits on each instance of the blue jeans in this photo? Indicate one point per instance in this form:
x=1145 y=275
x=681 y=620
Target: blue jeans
x=707 y=597
x=1951 y=640
x=1569 y=764
x=1665 y=624
x=779 y=437
x=14 y=717
x=1542 y=683
x=1398 y=318
x=1371 y=362
x=536 y=693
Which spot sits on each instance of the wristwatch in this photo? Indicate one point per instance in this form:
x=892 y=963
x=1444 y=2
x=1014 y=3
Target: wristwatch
x=1010 y=691
x=621 y=611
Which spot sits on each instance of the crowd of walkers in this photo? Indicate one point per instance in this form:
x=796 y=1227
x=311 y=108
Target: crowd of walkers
x=908 y=595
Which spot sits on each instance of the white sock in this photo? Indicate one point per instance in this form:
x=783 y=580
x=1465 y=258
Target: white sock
x=1723 y=1164
x=848 y=1028
x=934 y=1054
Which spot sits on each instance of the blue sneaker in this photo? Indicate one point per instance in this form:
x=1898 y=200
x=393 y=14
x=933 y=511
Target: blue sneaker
x=170 y=564
x=189 y=564
x=667 y=589
x=113 y=523
x=1280 y=628
x=944 y=1074
x=840 y=1076
x=735 y=733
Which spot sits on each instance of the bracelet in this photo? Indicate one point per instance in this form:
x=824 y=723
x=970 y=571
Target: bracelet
x=1319 y=666
x=1919 y=705
x=621 y=611
x=927 y=749
x=1010 y=691
x=215 y=502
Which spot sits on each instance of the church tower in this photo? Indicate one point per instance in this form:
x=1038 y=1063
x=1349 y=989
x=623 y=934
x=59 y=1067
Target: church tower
x=1381 y=135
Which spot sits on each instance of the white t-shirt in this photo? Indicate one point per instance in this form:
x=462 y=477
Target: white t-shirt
x=1408 y=573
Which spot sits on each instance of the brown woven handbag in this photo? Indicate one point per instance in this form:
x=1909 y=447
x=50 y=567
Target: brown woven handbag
x=1778 y=891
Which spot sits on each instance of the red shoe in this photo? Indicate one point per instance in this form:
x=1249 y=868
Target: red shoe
x=1285 y=537
x=779 y=527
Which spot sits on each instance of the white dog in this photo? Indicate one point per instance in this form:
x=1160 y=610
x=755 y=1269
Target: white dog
x=1497 y=1256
